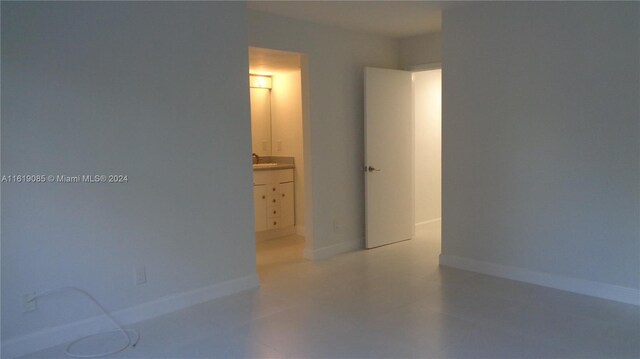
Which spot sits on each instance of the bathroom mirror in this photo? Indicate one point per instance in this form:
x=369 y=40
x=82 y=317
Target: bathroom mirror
x=260 y=88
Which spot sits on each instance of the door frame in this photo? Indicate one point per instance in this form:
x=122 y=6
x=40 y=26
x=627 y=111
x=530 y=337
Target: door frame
x=306 y=152
x=415 y=69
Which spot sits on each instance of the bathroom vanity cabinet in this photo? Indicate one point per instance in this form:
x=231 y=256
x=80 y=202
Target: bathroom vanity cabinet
x=273 y=201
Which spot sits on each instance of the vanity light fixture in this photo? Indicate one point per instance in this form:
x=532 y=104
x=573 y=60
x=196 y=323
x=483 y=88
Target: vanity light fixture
x=260 y=81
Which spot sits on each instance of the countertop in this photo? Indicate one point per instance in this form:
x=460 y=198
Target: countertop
x=279 y=166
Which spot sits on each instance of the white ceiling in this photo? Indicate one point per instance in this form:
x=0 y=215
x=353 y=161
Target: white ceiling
x=395 y=19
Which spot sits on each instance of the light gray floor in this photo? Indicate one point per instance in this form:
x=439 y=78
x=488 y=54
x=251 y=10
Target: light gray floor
x=389 y=302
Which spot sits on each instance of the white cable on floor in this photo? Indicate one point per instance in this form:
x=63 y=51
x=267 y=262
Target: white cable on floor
x=132 y=335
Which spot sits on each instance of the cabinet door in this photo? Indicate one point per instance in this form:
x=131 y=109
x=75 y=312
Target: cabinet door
x=287 y=205
x=260 y=207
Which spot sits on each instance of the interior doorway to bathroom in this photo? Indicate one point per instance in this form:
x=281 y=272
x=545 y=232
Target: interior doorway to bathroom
x=277 y=114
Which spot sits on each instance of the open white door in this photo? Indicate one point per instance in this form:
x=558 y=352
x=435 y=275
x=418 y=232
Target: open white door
x=388 y=156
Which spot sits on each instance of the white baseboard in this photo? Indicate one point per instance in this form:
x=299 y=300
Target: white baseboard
x=332 y=250
x=66 y=333
x=428 y=224
x=575 y=285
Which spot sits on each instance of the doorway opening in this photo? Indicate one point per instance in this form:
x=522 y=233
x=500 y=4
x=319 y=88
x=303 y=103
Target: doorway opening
x=427 y=110
x=279 y=161
x=402 y=155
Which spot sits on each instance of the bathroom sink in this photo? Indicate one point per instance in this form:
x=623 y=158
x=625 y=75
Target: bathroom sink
x=264 y=165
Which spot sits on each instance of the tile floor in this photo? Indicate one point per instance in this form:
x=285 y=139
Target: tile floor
x=389 y=302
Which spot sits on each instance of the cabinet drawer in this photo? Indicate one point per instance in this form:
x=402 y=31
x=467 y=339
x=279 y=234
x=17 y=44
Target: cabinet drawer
x=272 y=177
x=273 y=223
x=273 y=200
x=284 y=175
x=262 y=177
x=273 y=212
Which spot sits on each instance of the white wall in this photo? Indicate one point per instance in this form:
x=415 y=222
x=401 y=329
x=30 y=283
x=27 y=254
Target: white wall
x=286 y=125
x=335 y=60
x=156 y=91
x=427 y=92
x=420 y=50
x=541 y=138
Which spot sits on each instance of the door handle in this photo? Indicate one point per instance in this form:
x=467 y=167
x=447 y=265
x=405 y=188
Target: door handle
x=371 y=169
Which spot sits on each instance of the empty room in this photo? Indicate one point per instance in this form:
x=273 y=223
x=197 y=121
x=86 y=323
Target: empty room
x=320 y=179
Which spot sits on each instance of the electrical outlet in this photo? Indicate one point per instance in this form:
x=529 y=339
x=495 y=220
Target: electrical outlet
x=336 y=226
x=29 y=303
x=140 y=275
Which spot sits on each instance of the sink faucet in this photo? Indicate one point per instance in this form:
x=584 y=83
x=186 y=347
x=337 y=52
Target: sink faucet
x=255 y=158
